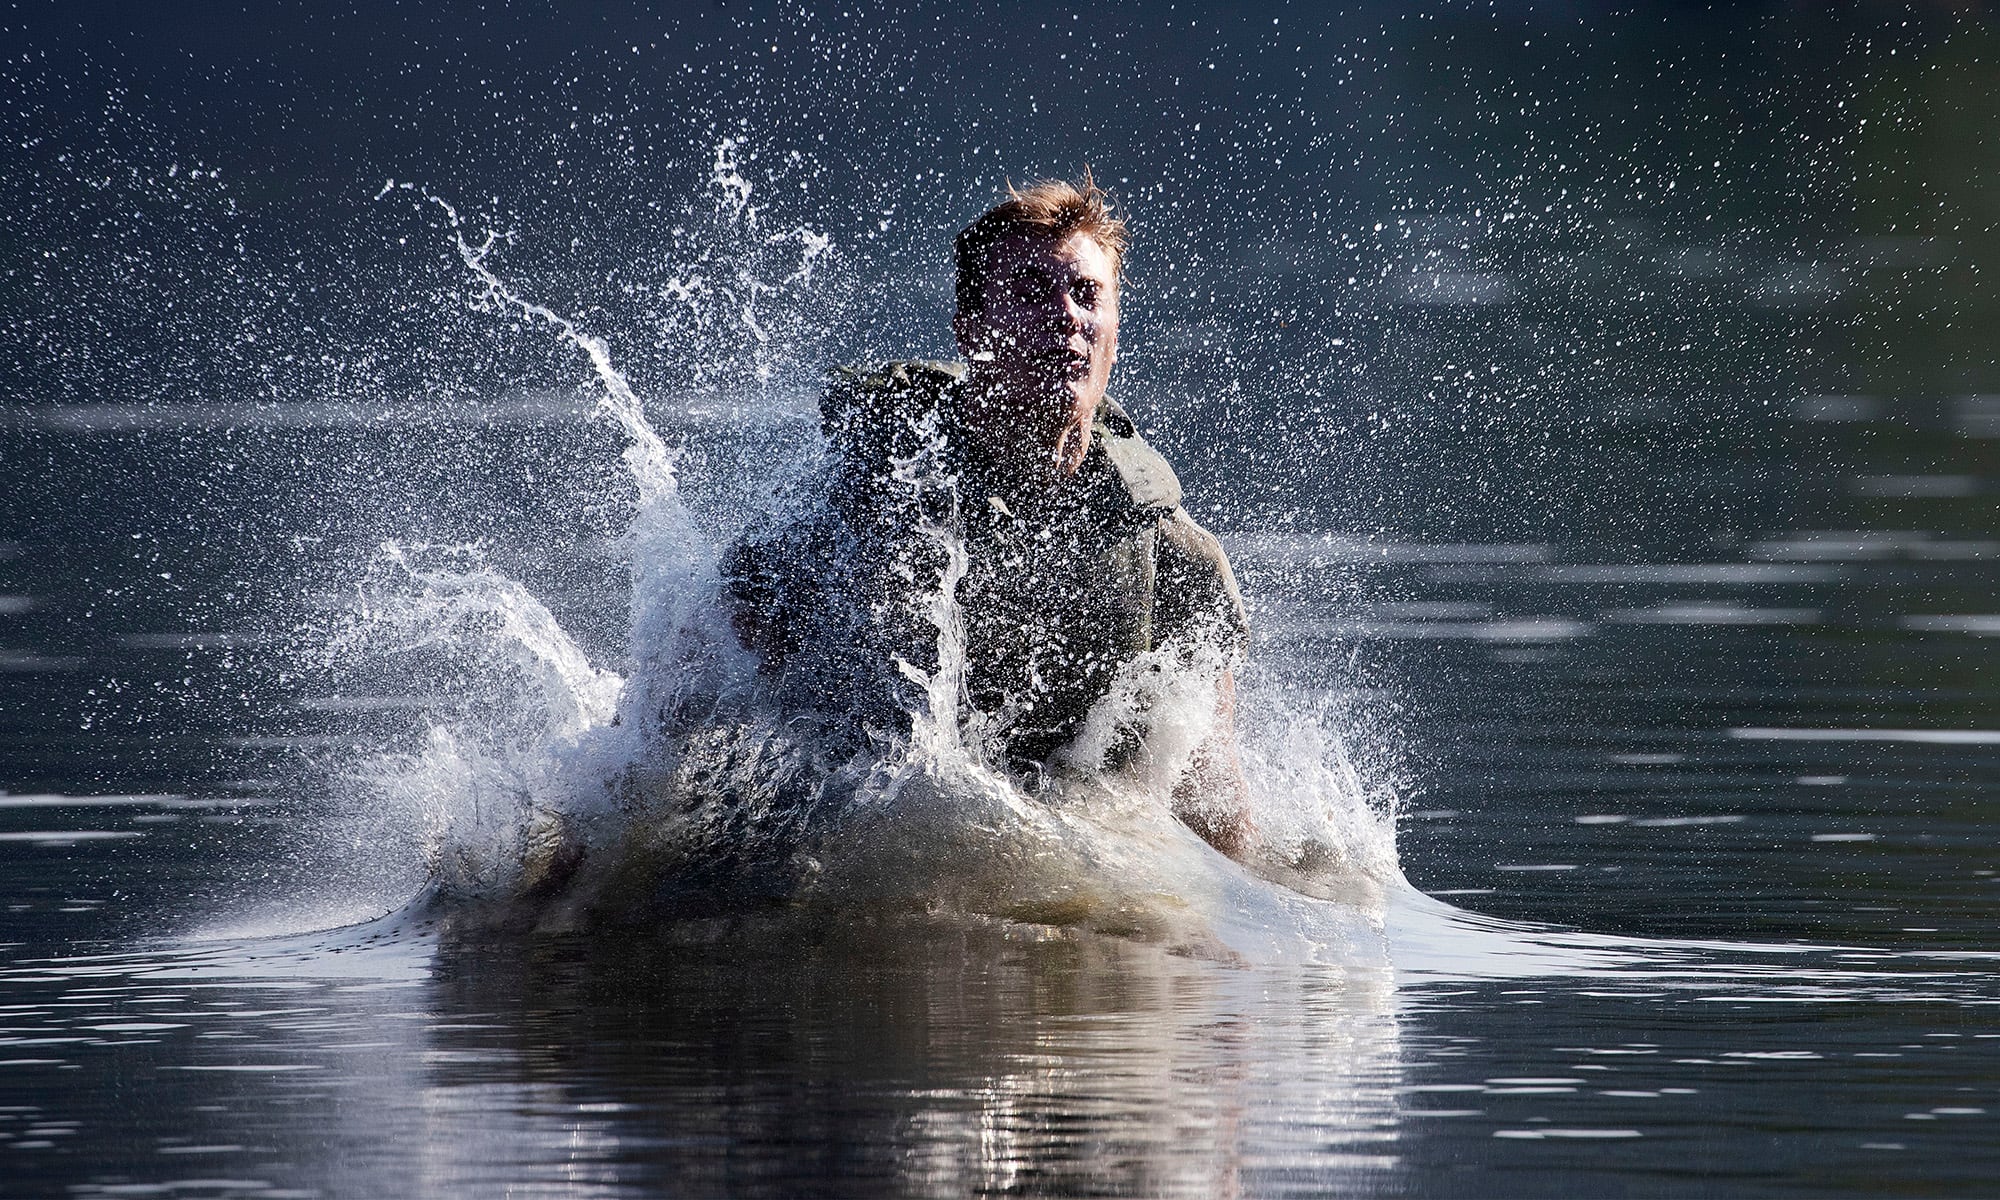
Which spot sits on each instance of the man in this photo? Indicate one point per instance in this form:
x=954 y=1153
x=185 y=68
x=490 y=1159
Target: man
x=1080 y=570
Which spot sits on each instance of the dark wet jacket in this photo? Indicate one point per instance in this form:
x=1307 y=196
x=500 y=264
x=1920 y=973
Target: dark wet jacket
x=1061 y=586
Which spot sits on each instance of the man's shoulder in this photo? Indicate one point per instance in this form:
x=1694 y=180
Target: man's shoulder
x=1149 y=479
x=872 y=405
x=1195 y=574
x=897 y=374
x=872 y=386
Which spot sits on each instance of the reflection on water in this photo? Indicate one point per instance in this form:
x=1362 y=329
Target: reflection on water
x=899 y=1060
x=942 y=1058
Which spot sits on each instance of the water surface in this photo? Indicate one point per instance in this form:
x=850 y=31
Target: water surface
x=1603 y=428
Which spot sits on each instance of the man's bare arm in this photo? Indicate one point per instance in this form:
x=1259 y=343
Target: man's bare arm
x=1199 y=603
x=1212 y=798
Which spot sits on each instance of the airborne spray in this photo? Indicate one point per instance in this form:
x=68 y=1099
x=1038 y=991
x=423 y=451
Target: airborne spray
x=555 y=791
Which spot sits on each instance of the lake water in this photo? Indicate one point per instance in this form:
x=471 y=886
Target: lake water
x=1634 y=544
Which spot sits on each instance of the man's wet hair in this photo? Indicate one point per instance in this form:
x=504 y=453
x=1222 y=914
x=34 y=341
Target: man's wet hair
x=1051 y=208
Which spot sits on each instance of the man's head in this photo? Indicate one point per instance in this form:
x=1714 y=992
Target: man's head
x=1052 y=209
x=1038 y=309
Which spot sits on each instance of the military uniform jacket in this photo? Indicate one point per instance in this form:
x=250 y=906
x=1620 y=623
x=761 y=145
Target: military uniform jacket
x=1060 y=587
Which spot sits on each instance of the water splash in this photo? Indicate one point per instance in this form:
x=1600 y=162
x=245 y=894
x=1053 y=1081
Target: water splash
x=677 y=781
x=937 y=725
x=420 y=596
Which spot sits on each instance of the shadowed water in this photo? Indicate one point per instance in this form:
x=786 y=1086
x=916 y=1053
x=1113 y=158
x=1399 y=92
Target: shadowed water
x=1602 y=427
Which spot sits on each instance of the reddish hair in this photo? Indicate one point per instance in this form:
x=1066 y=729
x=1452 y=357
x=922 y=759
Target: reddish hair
x=1051 y=208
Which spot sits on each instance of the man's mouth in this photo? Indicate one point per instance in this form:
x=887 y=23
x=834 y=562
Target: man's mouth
x=1059 y=362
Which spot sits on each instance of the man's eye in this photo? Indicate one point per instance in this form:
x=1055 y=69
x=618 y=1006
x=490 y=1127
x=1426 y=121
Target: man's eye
x=1030 y=287
x=1085 y=292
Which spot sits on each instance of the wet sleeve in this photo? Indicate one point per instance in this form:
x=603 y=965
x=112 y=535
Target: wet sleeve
x=1195 y=598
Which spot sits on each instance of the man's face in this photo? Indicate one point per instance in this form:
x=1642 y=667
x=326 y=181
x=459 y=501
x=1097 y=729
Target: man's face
x=1049 y=331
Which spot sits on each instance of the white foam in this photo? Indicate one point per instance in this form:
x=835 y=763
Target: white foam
x=528 y=747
